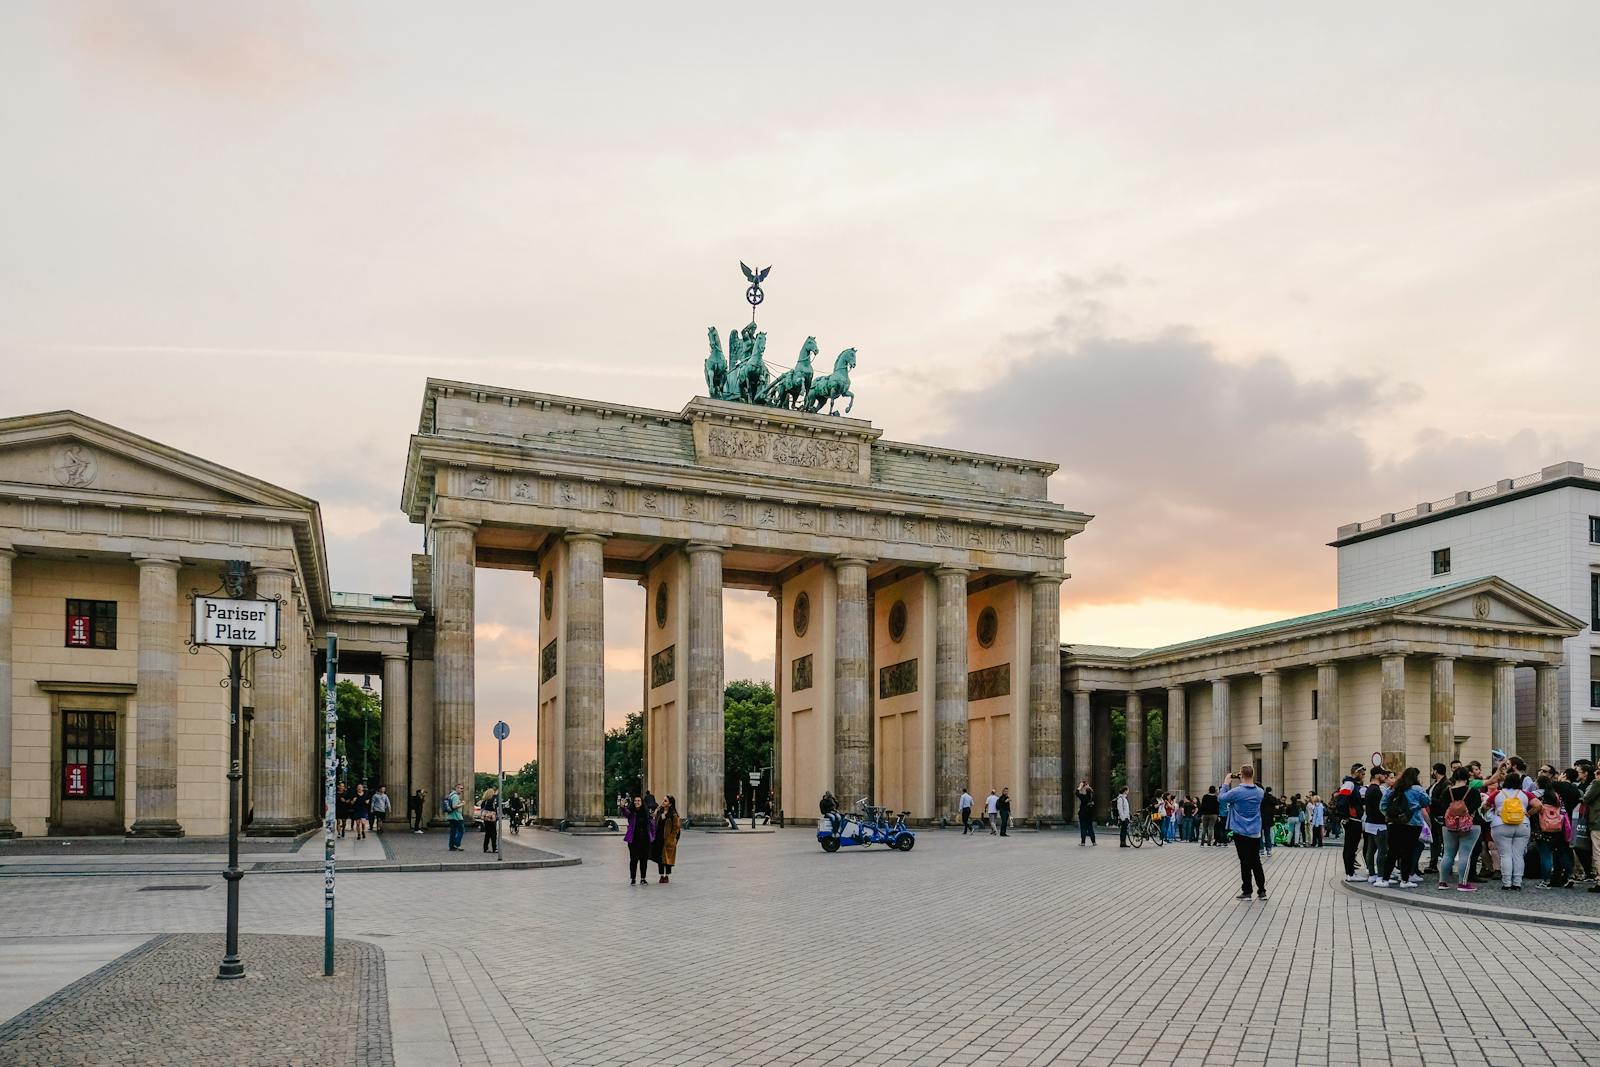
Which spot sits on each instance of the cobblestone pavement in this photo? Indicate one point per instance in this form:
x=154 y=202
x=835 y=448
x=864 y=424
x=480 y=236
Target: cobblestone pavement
x=1019 y=951
x=160 y=1005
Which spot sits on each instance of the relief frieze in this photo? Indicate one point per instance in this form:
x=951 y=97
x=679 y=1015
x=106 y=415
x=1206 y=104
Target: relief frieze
x=786 y=450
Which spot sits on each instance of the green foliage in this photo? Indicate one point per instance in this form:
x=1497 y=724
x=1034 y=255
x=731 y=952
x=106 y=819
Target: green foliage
x=1154 y=719
x=523 y=783
x=624 y=760
x=749 y=712
x=359 y=732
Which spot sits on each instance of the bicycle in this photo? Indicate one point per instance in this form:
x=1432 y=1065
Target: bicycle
x=1144 y=828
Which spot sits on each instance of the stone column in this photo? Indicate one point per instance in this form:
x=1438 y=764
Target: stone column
x=1442 y=712
x=7 y=827
x=852 y=706
x=584 y=680
x=1133 y=754
x=1549 y=715
x=455 y=579
x=950 y=692
x=1082 y=737
x=1392 y=714
x=1221 y=730
x=1177 y=720
x=1044 y=700
x=1330 y=772
x=704 y=693
x=277 y=775
x=775 y=804
x=1101 y=771
x=156 y=792
x=1270 y=773
x=1503 y=717
x=396 y=717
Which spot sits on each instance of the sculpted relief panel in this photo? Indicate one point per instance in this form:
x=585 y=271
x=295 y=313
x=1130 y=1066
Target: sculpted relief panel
x=786 y=450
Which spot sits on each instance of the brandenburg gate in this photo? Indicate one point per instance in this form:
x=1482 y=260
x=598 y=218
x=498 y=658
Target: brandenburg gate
x=917 y=589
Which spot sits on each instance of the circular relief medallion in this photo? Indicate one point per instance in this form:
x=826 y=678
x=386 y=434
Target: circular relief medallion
x=549 y=595
x=1481 y=605
x=897 y=621
x=988 y=626
x=802 y=614
x=661 y=606
x=74 y=465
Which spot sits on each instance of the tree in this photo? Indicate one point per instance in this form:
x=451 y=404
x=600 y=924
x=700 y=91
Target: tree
x=749 y=712
x=523 y=783
x=360 y=724
x=624 y=759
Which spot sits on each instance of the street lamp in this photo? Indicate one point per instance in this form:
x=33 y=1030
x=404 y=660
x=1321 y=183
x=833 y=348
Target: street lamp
x=366 y=687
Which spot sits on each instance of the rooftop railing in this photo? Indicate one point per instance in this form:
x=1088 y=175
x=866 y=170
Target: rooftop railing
x=1553 y=473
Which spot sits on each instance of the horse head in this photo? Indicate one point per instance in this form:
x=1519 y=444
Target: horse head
x=845 y=362
x=716 y=346
x=807 y=350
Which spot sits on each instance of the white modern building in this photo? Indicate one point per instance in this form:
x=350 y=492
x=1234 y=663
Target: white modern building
x=1541 y=532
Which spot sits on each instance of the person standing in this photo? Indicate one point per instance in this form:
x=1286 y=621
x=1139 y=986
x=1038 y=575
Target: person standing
x=1085 y=814
x=341 y=807
x=1438 y=786
x=1350 y=807
x=1244 y=799
x=489 y=815
x=1209 y=810
x=1461 y=802
x=966 y=812
x=380 y=808
x=1405 y=811
x=361 y=811
x=1124 y=815
x=414 y=807
x=1316 y=818
x=455 y=817
x=1002 y=807
x=665 y=849
x=1375 y=831
x=1591 y=806
x=991 y=812
x=1509 y=809
x=640 y=838
x=1269 y=815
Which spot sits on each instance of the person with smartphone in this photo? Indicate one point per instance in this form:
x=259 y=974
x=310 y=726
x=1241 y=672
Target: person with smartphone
x=1243 y=798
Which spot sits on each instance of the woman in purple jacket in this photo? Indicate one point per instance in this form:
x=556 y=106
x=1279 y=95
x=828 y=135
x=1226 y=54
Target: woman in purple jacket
x=641 y=832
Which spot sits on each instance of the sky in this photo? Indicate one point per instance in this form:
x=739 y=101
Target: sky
x=1246 y=271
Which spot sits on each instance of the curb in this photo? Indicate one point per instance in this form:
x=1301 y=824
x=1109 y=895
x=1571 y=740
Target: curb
x=1414 y=898
x=354 y=868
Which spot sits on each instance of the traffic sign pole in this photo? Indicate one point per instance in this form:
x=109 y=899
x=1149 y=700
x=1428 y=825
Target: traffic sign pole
x=501 y=732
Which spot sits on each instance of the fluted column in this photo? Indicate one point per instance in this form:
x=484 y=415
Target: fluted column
x=775 y=801
x=584 y=680
x=1392 y=712
x=7 y=827
x=1100 y=773
x=156 y=792
x=455 y=583
x=1221 y=730
x=1133 y=749
x=1082 y=737
x=1503 y=717
x=396 y=717
x=704 y=711
x=1270 y=773
x=1442 y=712
x=1549 y=714
x=1330 y=773
x=278 y=768
x=950 y=691
x=1044 y=699
x=1177 y=720
x=852 y=707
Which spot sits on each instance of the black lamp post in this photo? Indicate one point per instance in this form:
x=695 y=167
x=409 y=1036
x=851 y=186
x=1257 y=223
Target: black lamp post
x=366 y=687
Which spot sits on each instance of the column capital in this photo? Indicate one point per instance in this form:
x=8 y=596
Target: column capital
x=1513 y=664
x=273 y=568
x=1542 y=668
x=1445 y=657
x=950 y=570
x=7 y=552
x=1177 y=688
x=1046 y=579
x=704 y=546
x=1221 y=679
x=850 y=561
x=470 y=525
x=158 y=561
x=584 y=537
x=1271 y=672
x=401 y=656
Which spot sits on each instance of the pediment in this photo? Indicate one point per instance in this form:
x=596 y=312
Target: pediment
x=1492 y=602
x=68 y=452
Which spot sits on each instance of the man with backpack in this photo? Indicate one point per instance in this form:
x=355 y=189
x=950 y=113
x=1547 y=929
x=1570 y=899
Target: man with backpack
x=1375 y=828
x=455 y=817
x=1438 y=786
x=1348 y=805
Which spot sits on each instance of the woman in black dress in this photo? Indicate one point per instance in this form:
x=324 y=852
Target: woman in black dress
x=639 y=837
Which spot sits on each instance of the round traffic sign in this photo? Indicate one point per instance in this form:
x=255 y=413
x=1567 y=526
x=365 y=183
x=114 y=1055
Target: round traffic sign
x=501 y=731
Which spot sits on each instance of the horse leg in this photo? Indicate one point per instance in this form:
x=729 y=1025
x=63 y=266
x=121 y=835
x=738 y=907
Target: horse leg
x=852 y=403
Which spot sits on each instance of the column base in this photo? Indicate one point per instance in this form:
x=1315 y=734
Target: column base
x=281 y=827
x=7 y=830
x=155 y=828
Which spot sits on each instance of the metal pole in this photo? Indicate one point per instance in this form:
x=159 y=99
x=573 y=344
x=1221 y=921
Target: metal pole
x=499 y=797
x=232 y=966
x=330 y=765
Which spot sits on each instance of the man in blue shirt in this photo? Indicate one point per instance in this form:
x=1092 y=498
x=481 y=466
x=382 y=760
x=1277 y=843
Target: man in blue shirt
x=1243 y=798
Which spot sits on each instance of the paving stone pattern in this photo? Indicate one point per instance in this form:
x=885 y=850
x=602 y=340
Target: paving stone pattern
x=161 y=1004
x=1024 y=950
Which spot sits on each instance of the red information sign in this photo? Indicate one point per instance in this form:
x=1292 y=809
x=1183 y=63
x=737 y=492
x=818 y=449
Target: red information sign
x=77 y=784
x=78 y=631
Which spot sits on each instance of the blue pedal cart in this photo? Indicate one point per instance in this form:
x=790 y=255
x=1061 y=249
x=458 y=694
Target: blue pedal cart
x=868 y=825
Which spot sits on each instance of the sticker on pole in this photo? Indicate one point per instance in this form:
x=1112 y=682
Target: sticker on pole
x=235 y=623
x=501 y=731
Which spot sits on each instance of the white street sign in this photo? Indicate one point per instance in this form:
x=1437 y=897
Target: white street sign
x=235 y=623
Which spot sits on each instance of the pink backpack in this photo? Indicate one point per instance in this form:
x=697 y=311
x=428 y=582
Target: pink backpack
x=1552 y=819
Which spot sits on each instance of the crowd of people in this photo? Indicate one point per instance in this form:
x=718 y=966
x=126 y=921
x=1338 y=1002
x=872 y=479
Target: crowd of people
x=363 y=812
x=1471 y=826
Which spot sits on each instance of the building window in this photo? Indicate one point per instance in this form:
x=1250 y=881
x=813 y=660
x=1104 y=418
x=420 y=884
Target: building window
x=91 y=624
x=1594 y=529
x=1594 y=692
x=1315 y=710
x=1594 y=601
x=1441 y=561
x=89 y=754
